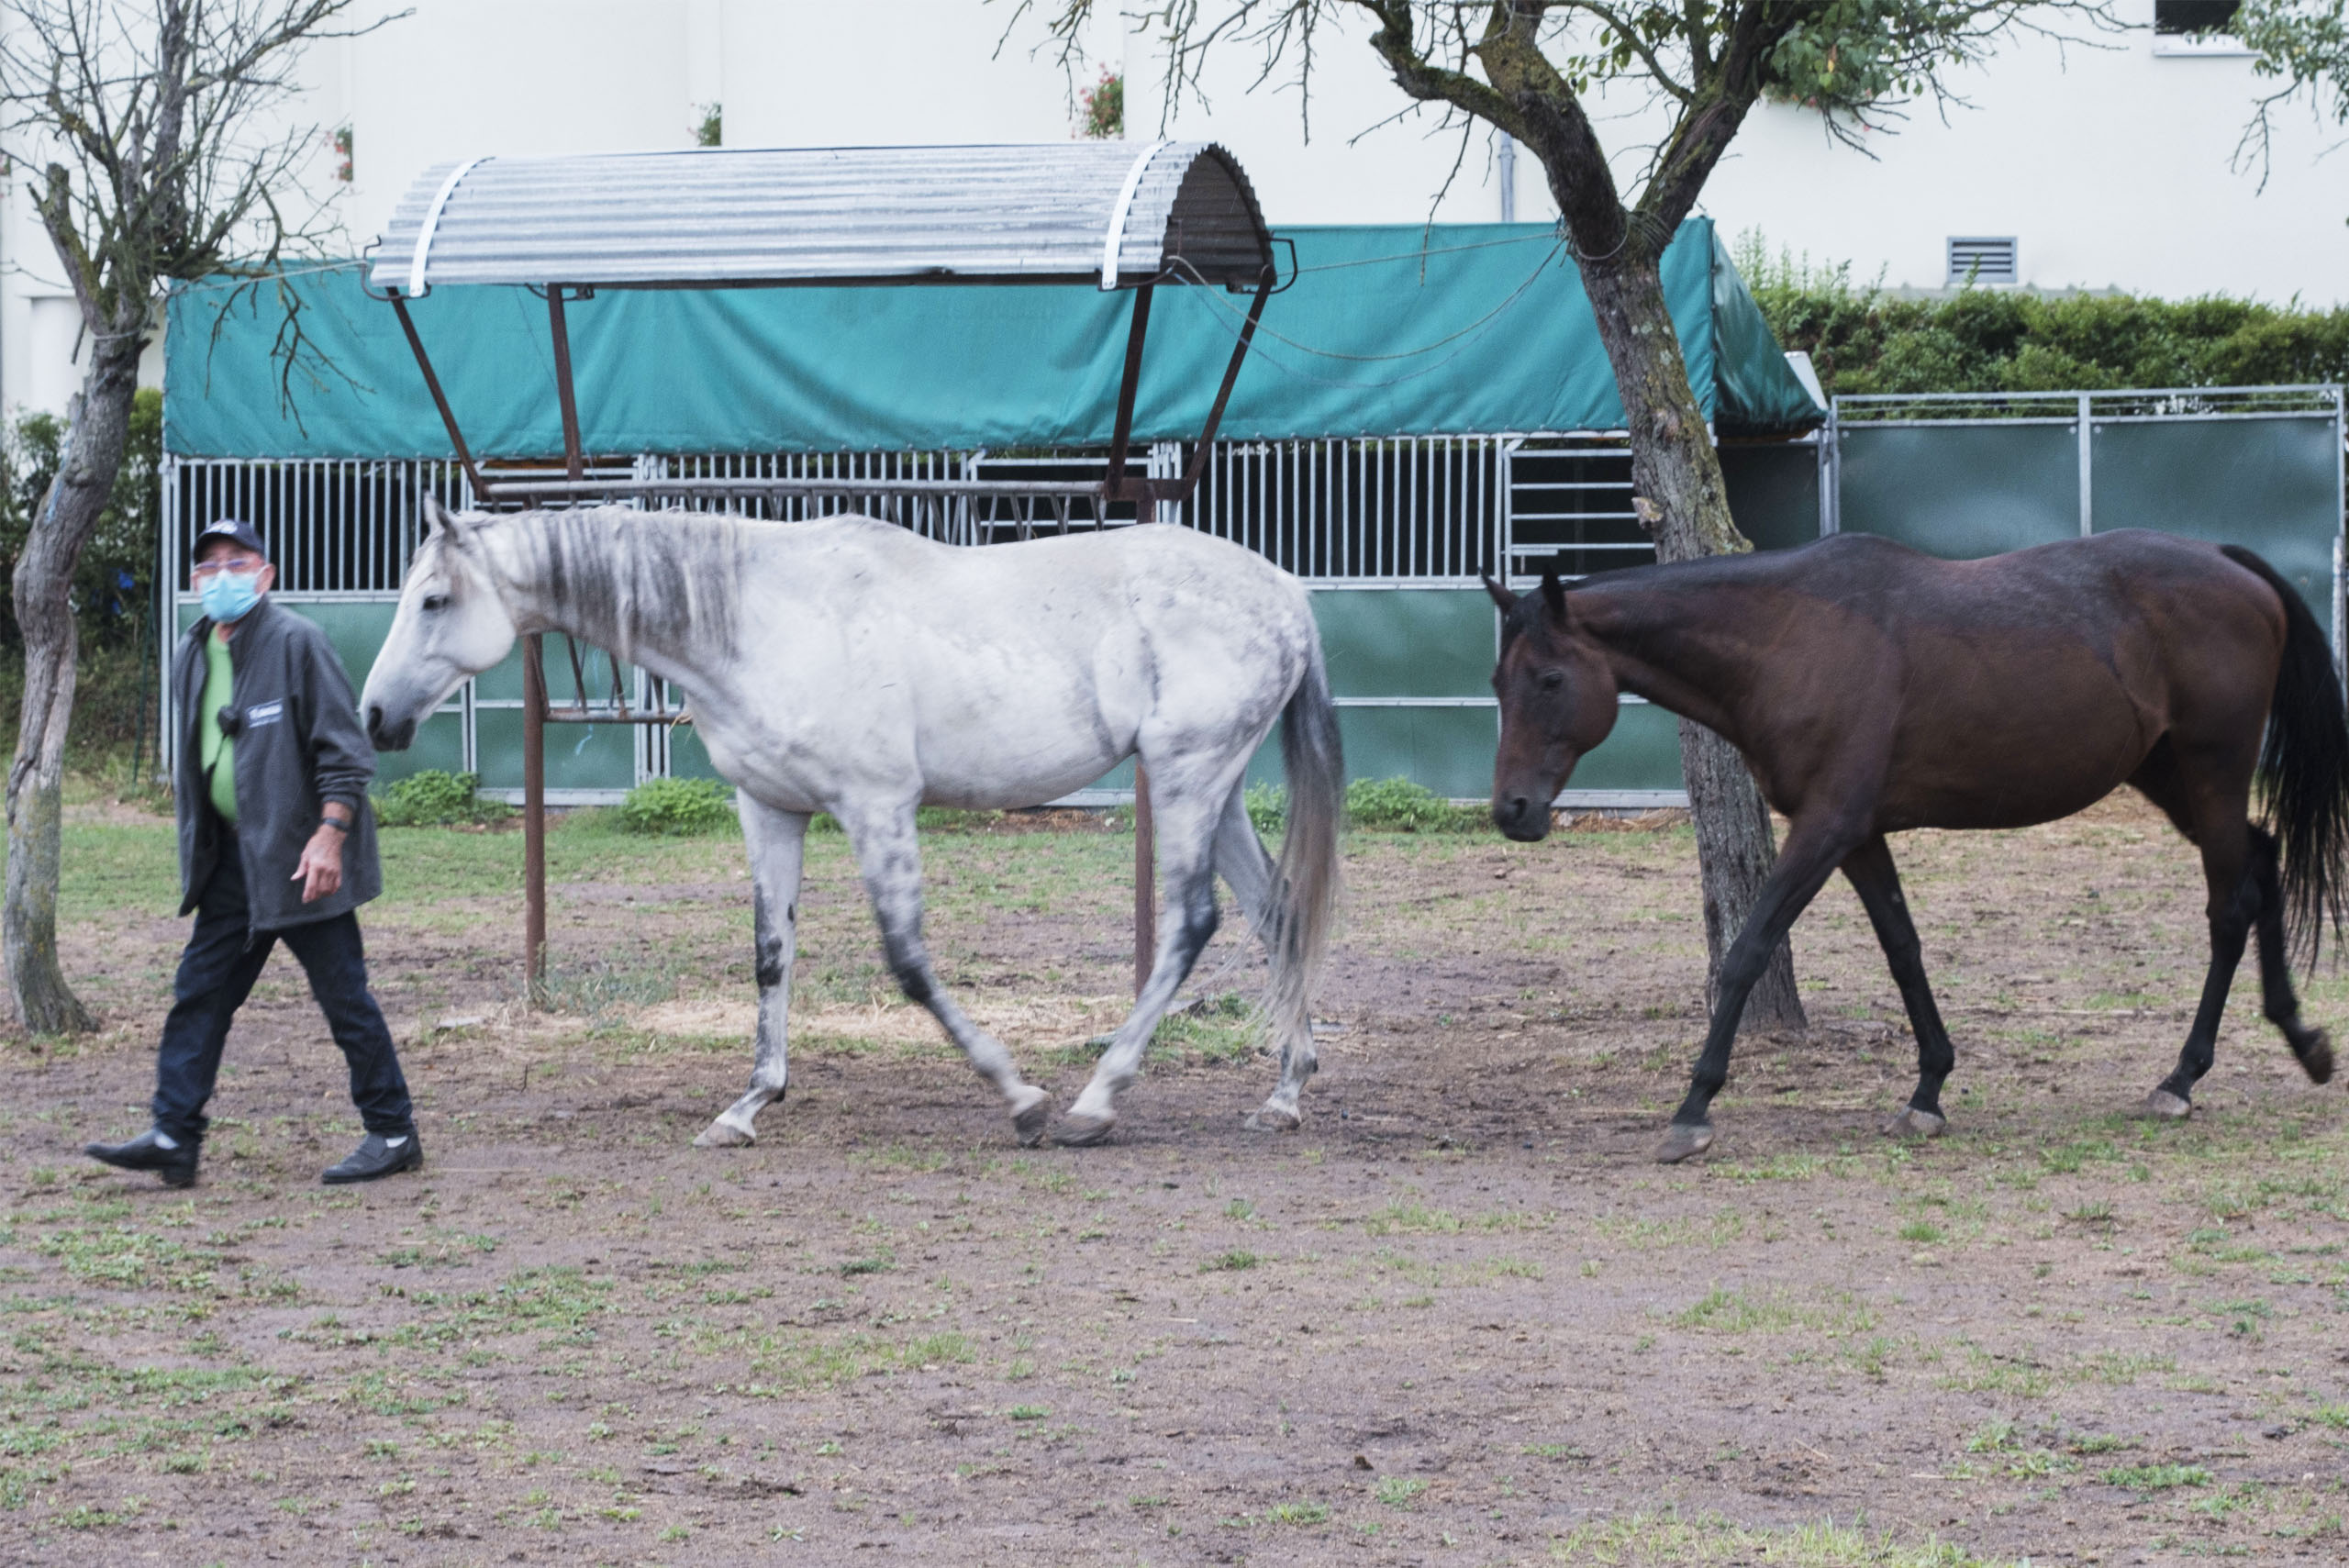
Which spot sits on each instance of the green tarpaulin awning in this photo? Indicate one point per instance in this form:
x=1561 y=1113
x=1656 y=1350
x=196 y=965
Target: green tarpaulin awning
x=1388 y=331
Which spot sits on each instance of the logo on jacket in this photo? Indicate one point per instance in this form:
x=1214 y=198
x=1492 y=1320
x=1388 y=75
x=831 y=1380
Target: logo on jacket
x=263 y=713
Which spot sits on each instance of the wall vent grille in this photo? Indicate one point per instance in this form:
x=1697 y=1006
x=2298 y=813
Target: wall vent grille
x=1982 y=260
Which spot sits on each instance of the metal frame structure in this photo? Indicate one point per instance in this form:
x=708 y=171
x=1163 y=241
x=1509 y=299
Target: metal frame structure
x=565 y=227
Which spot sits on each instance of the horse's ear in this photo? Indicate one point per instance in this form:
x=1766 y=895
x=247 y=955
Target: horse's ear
x=1501 y=596
x=1553 y=595
x=436 y=519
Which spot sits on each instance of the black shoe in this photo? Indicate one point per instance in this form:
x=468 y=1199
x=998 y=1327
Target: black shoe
x=377 y=1156
x=146 y=1152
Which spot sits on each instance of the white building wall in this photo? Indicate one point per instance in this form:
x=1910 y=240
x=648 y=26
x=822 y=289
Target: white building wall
x=2109 y=163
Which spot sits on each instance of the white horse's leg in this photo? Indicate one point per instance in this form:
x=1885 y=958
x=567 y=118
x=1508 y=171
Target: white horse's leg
x=889 y=859
x=776 y=840
x=1185 y=822
x=1255 y=880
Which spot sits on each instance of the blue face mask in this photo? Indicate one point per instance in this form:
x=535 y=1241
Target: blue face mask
x=230 y=595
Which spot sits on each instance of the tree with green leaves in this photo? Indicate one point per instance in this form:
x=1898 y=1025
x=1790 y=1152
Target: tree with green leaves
x=152 y=134
x=2303 y=47
x=1546 y=73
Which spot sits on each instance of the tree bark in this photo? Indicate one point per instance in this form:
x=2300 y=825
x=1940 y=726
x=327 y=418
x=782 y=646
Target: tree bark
x=1681 y=497
x=44 y=583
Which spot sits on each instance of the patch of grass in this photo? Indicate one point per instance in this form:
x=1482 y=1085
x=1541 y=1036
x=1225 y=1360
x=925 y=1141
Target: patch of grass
x=1231 y=1261
x=561 y=1304
x=597 y=990
x=1923 y=1232
x=124 y=1258
x=1410 y=1217
x=788 y=1363
x=1398 y=1491
x=1720 y=1311
x=1298 y=1513
x=1711 y=1541
x=2156 y=1477
x=1218 y=1031
x=1718 y=1229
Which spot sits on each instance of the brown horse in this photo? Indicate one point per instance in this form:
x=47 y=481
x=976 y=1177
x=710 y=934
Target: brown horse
x=1872 y=688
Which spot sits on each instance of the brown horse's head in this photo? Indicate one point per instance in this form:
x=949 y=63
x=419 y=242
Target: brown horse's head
x=1557 y=702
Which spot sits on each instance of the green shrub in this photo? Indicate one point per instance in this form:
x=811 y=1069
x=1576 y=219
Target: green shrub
x=678 y=807
x=1402 y=806
x=434 y=798
x=1863 y=338
x=1267 y=808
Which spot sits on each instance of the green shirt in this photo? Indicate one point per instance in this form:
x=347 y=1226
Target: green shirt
x=216 y=752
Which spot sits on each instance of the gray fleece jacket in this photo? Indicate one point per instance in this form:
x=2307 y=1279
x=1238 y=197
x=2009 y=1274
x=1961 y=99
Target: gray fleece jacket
x=299 y=746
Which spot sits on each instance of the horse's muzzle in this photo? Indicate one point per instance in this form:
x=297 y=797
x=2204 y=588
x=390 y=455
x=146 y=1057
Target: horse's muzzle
x=387 y=737
x=1523 y=817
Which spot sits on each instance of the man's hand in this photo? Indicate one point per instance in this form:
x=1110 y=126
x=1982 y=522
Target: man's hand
x=320 y=871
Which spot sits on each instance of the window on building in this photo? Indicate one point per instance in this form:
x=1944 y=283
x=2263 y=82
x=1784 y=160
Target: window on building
x=1979 y=259
x=2177 y=17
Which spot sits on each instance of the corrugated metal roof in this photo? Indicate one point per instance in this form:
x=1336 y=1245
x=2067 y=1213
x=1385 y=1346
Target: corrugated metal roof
x=1114 y=213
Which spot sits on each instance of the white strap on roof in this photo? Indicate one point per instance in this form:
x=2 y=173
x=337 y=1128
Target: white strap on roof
x=416 y=284
x=1115 y=240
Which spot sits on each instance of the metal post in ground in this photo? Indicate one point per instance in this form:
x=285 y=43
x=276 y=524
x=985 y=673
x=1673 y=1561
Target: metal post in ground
x=534 y=822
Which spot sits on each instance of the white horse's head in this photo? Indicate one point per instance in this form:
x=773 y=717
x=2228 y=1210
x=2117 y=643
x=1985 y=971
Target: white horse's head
x=452 y=624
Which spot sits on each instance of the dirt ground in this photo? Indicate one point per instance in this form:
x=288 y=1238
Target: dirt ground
x=1458 y=1318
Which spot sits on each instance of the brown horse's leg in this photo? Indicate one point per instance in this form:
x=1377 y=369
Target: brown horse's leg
x=2235 y=903
x=1809 y=858
x=2213 y=818
x=2311 y=1046
x=1870 y=871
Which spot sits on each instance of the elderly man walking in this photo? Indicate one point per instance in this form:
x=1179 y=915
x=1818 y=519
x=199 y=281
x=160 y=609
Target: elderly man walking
x=276 y=843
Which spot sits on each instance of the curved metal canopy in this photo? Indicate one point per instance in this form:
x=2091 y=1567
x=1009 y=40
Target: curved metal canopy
x=1111 y=213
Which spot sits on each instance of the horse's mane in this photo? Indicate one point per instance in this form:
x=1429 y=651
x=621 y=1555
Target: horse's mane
x=624 y=576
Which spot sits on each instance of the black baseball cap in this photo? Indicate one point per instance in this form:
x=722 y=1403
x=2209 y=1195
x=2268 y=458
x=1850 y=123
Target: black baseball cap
x=235 y=532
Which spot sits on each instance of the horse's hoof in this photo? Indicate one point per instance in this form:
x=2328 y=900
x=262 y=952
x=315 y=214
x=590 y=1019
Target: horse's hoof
x=1910 y=1122
x=2163 y=1106
x=724 y=1134
x=1683 y=1140
x=2317 y=1060
x=1272 y=1118
x=1083 y=1131
x=1028 y=1120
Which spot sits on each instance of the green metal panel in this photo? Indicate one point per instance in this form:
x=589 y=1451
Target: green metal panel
x=1962 y=491
x=1449 y=750
x=2269 y=483
x=579 y=756
x=1773 y=493
x=503 y=681
x=1641 y=752
x=1406 y=642
x=688 y=758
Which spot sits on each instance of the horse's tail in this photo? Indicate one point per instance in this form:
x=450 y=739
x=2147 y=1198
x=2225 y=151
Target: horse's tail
x=2304 y=767
x=1315 y=761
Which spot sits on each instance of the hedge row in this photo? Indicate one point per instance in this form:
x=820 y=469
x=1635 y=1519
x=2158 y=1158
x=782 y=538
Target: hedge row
x=1864 y=339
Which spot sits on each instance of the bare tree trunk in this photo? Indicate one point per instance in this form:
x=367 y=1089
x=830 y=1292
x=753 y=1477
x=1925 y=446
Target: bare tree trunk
x=44 y=583
x=1682 y=498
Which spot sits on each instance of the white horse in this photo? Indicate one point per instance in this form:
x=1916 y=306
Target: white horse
x=849 y=666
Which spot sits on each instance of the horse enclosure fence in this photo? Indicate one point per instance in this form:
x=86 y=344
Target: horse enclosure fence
x=1390 y=533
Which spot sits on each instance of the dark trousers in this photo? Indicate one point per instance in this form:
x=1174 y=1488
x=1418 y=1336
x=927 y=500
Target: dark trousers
x=216 y=972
